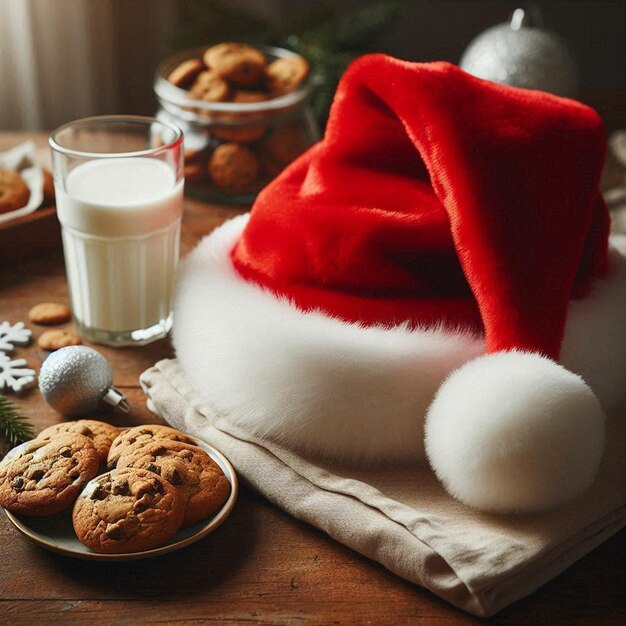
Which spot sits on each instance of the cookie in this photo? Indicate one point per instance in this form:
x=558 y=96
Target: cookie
x=237 y=63
x=184 y=73
x=285 y=144
x=240 y=134
x=269 y=165
x=200 y=481
x=127 y=510
x=101 y=433
x=232 y=166
x=14 y=192
x=48 y=188
x=243 y=96
x=247 y=133
x=139 y=435
x=49 y=313
x=287 y=74
x=209 y=87
x=58 y=338
x=47 y=476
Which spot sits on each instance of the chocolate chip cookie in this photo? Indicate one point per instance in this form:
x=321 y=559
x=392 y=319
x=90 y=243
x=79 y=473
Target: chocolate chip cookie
x=232 y=166
x=209 y=86
x=127 y=510
x=286 y=74
x=101 y=433
x=200 y=481
x=238 y=63
x=140 y=435
x=14 y=192
x=285 y=144
x=182 y=74
x=47 y=476
x=58 y=338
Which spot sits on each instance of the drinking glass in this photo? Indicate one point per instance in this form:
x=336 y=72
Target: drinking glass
x=119 y=190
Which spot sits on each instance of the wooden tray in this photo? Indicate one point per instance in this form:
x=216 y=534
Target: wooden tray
x=32 y=234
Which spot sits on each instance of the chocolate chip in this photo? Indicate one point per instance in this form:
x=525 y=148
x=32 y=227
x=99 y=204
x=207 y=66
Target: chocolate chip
x=132 y=440
x=121 y=488
x=98 y=494
x=66 y=452
x=153 y=468
x=160 y=451
x=18 y=483
x=143 y=503
x=113 y=531
x=175 y=478
x=38 y=474
x=157 y=487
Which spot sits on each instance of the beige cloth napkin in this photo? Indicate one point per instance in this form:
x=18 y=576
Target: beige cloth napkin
x=402 y=518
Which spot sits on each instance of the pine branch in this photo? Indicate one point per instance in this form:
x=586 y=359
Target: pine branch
x=14 y=427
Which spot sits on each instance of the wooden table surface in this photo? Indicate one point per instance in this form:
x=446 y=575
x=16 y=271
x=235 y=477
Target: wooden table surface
x=261 y=566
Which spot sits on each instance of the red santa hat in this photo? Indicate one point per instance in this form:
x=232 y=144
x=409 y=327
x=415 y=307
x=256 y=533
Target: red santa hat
x=411 y=282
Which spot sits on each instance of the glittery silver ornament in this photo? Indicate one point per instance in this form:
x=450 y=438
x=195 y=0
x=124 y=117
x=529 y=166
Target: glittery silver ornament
x=77 y=380
x=521 y=55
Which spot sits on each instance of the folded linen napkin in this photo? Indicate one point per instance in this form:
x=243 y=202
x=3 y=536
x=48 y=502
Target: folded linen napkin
x=401 y=517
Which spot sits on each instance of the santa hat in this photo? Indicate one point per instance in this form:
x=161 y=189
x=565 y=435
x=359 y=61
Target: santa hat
x=415 y=277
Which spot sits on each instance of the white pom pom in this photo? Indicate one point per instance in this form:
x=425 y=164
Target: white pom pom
x=514 y=432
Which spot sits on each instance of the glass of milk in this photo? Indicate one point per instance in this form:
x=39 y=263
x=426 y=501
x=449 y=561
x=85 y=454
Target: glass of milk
x=119 y=193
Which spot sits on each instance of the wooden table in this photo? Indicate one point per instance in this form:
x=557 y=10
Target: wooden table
x=261 y=566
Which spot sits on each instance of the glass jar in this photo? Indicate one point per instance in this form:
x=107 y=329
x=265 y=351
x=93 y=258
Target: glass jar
x=266 y=134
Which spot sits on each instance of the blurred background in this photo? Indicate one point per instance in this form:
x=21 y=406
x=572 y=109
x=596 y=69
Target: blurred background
x=60 y=60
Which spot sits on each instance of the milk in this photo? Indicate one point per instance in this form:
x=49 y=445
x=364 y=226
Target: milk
x=121 y=230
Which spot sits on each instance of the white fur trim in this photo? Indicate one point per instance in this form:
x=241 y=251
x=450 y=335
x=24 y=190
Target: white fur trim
x=319 y=384
x=514 y=432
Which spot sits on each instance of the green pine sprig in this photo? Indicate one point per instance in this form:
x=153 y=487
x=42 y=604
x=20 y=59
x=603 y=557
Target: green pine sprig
x=14 y=427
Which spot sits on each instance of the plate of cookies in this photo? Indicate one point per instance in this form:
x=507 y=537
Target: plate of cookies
x=90 y=490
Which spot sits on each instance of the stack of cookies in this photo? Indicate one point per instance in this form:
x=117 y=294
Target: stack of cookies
x=242 y=149
x=158 y=481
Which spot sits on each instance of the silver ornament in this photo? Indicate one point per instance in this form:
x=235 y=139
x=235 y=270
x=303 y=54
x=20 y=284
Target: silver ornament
x=520 y=55
x=77 y=380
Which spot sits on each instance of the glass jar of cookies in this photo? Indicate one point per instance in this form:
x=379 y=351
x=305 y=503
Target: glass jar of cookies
x=244 y=111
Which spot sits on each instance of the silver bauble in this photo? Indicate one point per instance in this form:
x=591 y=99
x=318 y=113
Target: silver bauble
x=522 y=56
x=77 y=380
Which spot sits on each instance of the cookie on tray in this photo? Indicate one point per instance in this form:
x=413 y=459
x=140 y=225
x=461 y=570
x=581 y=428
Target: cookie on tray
x=127 y=510
x=140 y=435
x=238 y=63
x=47 y=475
x=101 y=433
x=14 y=192
x=200 y=481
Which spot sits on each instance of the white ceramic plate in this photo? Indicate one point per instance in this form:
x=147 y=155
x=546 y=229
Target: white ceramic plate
x=56 y=532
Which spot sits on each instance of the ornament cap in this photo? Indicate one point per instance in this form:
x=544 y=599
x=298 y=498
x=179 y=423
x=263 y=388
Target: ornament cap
x=525 y=18
x=116 y=399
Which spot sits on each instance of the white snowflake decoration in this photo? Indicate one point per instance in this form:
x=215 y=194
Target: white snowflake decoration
x=13 y=374
x=11 y=336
